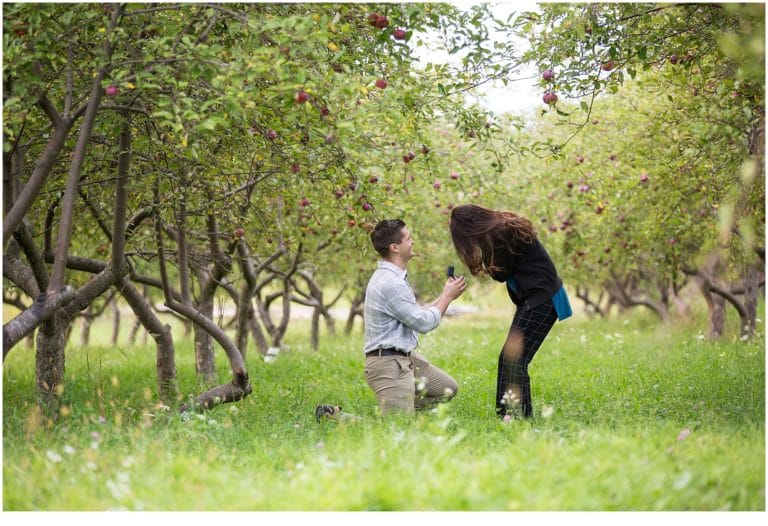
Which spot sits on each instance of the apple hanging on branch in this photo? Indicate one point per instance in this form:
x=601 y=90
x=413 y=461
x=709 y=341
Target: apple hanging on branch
x=399 y=34
x=549 y=98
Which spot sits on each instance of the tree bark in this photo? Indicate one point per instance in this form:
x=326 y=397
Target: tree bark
x=49 y=363
x=240 y=385
x=115 y=322
x=751 y=291
x=85 y=330
x=591 y=306
x=46 y=305
x=18 y=273
x=355 y=310
x=66 y=222
x=205 y=360
x=45 y=162
x=166 y=361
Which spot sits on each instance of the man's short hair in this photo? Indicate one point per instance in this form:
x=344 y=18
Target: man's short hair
x=385 y=233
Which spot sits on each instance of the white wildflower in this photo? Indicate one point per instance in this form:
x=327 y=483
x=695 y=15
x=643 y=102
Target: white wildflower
x=69 y=450
x=53 y=456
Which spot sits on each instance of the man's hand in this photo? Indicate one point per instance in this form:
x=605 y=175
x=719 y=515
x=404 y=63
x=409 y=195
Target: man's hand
x=454 y=287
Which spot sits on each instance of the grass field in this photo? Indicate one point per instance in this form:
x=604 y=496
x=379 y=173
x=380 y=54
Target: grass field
x=628 y=416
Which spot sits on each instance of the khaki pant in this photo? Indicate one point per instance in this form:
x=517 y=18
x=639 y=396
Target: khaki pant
x=402 y=383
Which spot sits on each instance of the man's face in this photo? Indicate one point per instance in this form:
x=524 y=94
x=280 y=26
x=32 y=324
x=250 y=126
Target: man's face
x=405 y=247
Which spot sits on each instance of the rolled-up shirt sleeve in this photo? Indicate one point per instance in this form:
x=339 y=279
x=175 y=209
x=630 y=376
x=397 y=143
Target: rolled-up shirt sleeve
x=402 y=306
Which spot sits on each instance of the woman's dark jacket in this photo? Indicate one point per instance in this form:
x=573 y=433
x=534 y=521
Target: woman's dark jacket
x=531 y=268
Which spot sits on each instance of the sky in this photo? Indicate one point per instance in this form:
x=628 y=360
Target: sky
x=523 y=95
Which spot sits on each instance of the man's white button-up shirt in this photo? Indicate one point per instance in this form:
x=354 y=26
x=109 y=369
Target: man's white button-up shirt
x=392 y=316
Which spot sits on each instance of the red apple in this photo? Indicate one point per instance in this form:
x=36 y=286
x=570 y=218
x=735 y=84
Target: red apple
x=112 y=91
x=373 y=179
x=569 y=184
x=303 y=201
x=339 y=193
x=239 y=232
x=367 y=206
x=381 y=83
x=436 y=185
x=325 y=112
x=295 y=168
x=351 y=222
x=301 y=97
x=548 y=75
x=644 y=177
x=549 y=98
x=399 y=34
x=584 y=188
x=382 y=22
x=454 y=175
x=271 y=135
x=673 y=59
x=579 y=159
x=372 y=18
x=608 y=66
x=424 y=149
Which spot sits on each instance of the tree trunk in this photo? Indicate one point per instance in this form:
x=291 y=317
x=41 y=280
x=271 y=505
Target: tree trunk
x=715 y=306
x=49 y=364
x=166 y=361
x=134 y=332
x=355 y=310
x=115 y=322
x=257 y=333
x=751 y=289
x=205 y=360
x=40 y=311
x=85 y=331
x=314 y=337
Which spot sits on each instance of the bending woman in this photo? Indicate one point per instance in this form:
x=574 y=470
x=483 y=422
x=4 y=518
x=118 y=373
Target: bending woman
x=504 y=246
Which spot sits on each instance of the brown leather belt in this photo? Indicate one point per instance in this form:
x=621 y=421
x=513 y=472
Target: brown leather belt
x=387 y=352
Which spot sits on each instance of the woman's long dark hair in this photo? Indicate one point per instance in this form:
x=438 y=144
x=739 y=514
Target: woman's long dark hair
x=479 y=232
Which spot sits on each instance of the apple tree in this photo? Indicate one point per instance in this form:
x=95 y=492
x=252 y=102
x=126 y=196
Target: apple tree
x=680 y=174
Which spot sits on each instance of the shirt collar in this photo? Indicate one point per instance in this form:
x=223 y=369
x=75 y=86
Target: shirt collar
x=393 y=268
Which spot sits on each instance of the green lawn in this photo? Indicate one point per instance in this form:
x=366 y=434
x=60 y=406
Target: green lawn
x=628 y=416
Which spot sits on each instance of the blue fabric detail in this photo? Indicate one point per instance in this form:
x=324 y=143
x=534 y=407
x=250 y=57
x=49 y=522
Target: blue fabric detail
x=559 y=300
x=562 y=304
